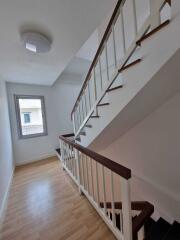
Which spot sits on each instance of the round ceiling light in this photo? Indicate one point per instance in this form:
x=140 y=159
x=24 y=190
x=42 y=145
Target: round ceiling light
x=36 y=42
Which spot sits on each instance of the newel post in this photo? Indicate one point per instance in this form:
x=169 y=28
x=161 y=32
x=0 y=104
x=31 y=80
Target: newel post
x=74 y=123
x=77 y=158
x=126 y=209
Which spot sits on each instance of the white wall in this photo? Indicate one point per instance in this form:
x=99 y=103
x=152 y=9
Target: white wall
x=151 y=150
x=59 y=100
x=6 y=153
x=64 y=95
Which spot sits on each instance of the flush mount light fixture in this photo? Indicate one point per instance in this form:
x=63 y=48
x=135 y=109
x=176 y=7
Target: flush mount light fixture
x=36 y=42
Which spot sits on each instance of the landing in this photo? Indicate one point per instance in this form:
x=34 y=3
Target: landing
x=44 y=204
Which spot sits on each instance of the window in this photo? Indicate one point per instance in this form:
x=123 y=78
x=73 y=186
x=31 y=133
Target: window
x=31 y=119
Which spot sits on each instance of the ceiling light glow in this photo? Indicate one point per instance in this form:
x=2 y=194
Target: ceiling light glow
x=36 y=42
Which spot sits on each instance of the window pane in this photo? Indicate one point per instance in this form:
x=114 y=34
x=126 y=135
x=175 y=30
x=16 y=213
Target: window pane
x=30 y=113
x=27 y=118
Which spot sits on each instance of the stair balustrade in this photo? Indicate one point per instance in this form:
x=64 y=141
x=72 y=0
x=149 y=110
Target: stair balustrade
x=114 y=54
x=97 y=177
x=106 y=184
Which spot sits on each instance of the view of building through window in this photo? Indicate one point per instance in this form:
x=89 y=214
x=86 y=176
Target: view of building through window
x=30 y=116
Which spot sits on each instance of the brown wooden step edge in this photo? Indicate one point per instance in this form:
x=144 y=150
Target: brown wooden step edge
x=162 y=25
x=78 y=139
x=88 y=126
x=83 y=133
x=130 y=65
x=169 y=2
x=94 y=116
x=103 y=104
x=115 y=88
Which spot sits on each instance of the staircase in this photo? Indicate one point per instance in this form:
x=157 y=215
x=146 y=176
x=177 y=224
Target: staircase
x=162 y=230
x=153 y=230
x=128 y=69
x=106 y=184
x=125 y=64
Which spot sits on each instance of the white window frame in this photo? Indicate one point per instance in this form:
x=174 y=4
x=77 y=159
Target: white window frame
x=18 y=116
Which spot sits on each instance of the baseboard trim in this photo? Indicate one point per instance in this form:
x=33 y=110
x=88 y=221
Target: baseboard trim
x=40 y=158
x=3 y=207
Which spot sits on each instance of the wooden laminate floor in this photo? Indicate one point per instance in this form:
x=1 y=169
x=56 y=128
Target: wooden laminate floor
x=44 y=204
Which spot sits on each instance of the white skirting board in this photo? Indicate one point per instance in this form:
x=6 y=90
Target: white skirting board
x=43 y=157
x=3 y=207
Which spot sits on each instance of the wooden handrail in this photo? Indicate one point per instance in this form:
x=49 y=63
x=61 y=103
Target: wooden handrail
x=106 y=162
x=105 y=36
x=146 y=209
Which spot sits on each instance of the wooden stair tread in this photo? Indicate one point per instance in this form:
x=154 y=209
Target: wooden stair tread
x=174 y=232
x=130 y=65
x=159 y=230
x=103 y=104
x=94 y=116
x=88 y=126
x=114 y=88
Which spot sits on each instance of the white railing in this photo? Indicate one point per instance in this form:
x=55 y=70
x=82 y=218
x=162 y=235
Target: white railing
x=131 y=20
x=100 y=180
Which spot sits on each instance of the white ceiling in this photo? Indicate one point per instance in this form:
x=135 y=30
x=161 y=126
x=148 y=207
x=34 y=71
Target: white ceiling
x=68 y=22
x=88 y=50
x=78 y=66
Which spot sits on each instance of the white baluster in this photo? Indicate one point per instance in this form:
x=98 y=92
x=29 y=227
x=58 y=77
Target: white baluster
x=107 y=68
x=78 y=169
x=78 y=114
x=123 y=31
x=75 y=163
x=121 y=221
x=80 y=111
x=80 y=108
x=97 y=182
x=135 y=17
x=68 y=159
x=104 y=190
x=92 y=178
x=70 y=153
x=70 y=156
x=95 y=87
x=83 y=174
x=100 y=69
x=83 y=108
x=112 y=200
x=89 y=95
x=85 y=104
x=87 y=174
x=61 y=150
x=126 y=209
x=114 y=46
x=74 y=123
